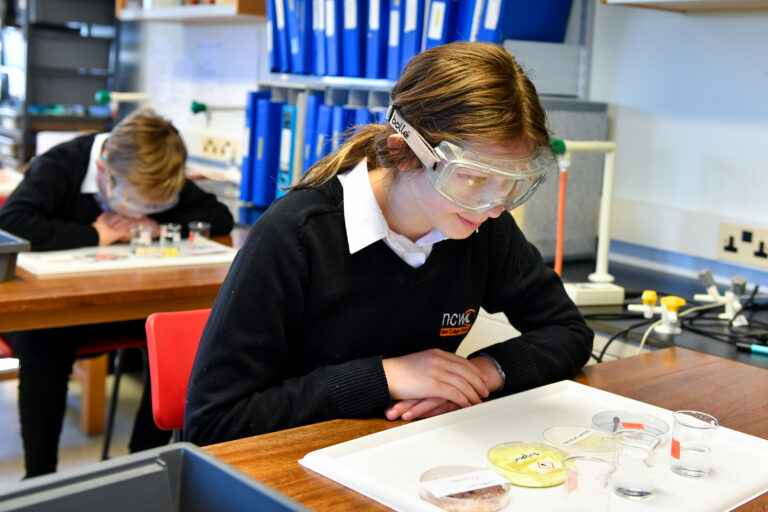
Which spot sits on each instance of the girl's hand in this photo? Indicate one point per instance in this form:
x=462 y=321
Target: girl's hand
x=415 y=409
x=427 y=407
x=435 y=373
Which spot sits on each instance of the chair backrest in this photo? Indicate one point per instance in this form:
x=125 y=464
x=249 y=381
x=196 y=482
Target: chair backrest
x=172 y=340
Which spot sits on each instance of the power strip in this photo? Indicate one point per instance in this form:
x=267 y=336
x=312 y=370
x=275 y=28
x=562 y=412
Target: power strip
x=595 y=294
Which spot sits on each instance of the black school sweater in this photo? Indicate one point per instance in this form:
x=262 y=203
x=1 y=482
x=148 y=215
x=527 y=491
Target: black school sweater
x=299 y=328
x=48 y=209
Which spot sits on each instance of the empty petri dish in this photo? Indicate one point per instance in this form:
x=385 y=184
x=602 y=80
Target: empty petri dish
x=528 y=464
x=464 y=489
x=628 y=420
x=574 y=439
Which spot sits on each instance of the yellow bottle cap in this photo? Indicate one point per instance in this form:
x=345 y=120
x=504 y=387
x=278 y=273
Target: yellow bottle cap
x=673 y=302
x=649 y=297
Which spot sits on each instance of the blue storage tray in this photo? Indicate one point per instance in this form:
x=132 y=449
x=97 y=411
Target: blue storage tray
x=177 y=477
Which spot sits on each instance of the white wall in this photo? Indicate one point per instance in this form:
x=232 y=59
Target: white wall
x=211 y=63
x=689 y=95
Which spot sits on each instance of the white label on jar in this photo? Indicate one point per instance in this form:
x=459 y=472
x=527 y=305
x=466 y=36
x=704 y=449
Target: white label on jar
x=462 y=483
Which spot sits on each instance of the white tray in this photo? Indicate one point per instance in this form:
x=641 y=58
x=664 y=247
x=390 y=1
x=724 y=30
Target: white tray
x=386 y=466
x=118 y=257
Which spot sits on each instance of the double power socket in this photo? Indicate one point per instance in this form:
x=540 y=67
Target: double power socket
x=219 y=148
x=743 y=244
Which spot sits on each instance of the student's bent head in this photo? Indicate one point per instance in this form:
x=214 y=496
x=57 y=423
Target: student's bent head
x=147 y=153
x=464 y=93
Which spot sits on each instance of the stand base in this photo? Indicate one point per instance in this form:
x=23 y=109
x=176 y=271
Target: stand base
x=595 y=294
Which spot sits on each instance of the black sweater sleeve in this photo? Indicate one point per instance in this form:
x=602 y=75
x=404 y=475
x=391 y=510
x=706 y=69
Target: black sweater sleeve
x=47 y=207
x=241 y=382
x=555 y=341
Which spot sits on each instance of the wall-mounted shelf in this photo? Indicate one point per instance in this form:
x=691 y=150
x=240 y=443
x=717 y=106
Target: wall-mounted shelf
x=693 y=5
x=239 y=11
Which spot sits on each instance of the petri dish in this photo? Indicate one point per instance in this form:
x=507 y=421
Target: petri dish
x=575 y=439
x=628 y=420
x=464 y=489
x=528 y=464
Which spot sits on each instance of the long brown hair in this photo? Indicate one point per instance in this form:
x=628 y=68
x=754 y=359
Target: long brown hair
x=454 y=92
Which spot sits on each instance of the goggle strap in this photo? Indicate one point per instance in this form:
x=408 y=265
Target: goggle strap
x=413 y=138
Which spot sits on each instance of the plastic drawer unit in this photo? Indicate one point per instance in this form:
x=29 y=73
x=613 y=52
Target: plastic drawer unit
x=178 y=477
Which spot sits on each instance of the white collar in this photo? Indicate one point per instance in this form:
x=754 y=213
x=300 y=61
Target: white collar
x=365 y=223
x=90 y=183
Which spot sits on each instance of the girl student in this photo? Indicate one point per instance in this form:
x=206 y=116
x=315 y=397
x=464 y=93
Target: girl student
x=354 y=290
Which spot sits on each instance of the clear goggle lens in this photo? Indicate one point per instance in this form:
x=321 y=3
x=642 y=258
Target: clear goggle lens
x=474 y=185
x=122 y=198
x=475 y=190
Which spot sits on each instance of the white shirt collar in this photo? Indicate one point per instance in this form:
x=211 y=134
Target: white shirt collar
x=365 y=223
x=90 y=183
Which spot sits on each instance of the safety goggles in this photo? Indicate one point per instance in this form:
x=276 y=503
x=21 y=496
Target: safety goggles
x=475 y=181
x=123 y=198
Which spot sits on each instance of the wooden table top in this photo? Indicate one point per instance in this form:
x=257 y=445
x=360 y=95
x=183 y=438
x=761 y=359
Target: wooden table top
x=32 y=302
x=672 y=378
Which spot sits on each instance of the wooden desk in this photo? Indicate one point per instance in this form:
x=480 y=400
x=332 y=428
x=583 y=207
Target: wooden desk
x=673 y=378
x=31 y=302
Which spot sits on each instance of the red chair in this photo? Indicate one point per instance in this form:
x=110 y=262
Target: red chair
x=118 y=344
x=172 y=340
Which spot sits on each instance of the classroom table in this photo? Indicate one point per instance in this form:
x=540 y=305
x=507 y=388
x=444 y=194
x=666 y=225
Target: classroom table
x=32 y=302
x=673 y=378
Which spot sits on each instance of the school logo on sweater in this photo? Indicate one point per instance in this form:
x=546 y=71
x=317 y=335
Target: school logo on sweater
x=457 y=324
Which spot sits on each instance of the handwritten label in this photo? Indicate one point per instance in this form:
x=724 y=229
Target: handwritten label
x=526 y=456
x=578 y=437
x=462 y=483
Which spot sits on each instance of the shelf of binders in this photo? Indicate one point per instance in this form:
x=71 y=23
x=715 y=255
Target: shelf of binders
x=292 y=122
x=237 y=11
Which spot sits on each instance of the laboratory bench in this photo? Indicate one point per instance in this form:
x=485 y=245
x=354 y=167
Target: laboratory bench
x=609 y=320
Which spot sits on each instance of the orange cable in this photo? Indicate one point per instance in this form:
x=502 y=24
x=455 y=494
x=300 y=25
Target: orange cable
x=560 y=222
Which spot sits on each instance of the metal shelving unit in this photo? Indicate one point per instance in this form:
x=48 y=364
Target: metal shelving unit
x=55 y=56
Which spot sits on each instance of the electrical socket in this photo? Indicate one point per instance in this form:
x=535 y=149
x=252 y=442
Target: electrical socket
x=743 y=244
x=219 y=148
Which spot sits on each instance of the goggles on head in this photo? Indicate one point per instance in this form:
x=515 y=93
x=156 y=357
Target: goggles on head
x=122 y=197
x=472 y=180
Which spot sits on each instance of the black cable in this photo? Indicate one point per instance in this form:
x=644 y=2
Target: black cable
x=622 y=332
x=613 y=316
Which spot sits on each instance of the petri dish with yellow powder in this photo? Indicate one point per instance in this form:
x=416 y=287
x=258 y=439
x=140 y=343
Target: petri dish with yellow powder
x=528 y=464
